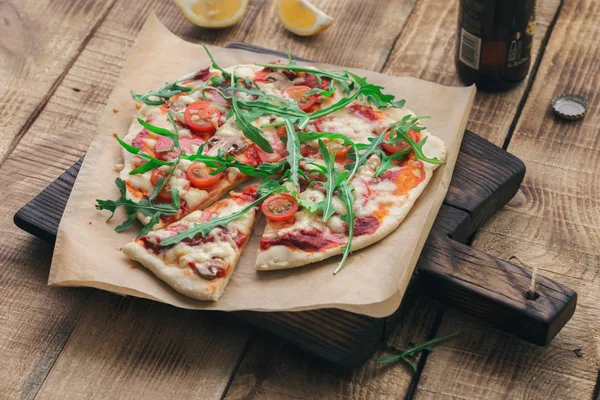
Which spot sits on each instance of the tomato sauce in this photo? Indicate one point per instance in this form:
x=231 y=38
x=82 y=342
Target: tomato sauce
x=407 y=177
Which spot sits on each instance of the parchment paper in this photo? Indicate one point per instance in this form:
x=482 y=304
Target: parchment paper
x=373 y=280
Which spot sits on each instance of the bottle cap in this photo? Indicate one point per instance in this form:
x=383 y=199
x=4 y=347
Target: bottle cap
x=569 y=106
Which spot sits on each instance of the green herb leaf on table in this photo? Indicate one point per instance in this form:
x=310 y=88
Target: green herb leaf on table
x=415 y=350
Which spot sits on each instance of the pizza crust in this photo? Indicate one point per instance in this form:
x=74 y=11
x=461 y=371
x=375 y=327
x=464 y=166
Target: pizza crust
x=190 y=285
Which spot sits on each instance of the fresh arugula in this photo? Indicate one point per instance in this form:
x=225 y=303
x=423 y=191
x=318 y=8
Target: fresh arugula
x=160 y=96
x=417 y=148
x=145 y=206
x=150 y=163
x=293 y=150
x=347 y=198
x=415 y=350
x=249 y=130
x=267 y=188
x=334 y=178
x=365 y=151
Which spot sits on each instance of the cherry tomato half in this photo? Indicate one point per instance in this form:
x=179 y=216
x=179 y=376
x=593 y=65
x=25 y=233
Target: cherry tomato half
x=201 y=117
x=298 y=93
x=165 y=193
x=279 y=207
x=338 y=149
x=200 y=177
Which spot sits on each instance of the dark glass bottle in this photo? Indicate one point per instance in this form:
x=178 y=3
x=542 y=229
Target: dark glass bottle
x=494 y=41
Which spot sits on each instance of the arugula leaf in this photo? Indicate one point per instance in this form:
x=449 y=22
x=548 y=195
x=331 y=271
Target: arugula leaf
x=160 y=96
x=125 y=224
x=214 y=63
x=151 y=161
x=334 y=179
x=146 y=206
x=309 y=136
x=293 y=150
x=387 y=161
x=348 y=199
x=415 y=350
x=416 y=147
x=372 y=147
x=249 y=130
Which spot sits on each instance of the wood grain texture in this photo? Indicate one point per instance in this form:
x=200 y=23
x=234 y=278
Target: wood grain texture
x=494 y=290
x=275 y=370
x=359 y=25
x=36 y=48
x=103 y=65
x=36 y=320
x=126 y=348
x=554 y=224
x=426 y=50
x=485 y=178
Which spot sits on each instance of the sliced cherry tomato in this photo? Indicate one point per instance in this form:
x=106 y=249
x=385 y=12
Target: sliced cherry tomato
x=279 y=207
x=165 y=193
x=200 y=177
x=201 y=117
x=298 y=93
x=338 y=149
x=261 y=76
x=402 y=145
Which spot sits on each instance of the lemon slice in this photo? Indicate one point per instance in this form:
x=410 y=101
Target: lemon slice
x=212 y=13
x=302 y=18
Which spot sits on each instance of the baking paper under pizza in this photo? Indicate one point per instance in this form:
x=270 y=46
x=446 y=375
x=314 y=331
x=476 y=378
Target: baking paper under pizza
x=331 y=161
x=341 y=163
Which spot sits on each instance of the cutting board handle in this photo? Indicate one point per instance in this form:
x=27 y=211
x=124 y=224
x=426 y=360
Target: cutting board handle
x=494 y=290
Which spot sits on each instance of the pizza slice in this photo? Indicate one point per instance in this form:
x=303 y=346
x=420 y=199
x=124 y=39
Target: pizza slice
x=200 y=265
x=315 y=225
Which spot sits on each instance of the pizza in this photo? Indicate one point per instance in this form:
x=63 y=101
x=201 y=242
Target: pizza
x=199 y=266
x=337 y=164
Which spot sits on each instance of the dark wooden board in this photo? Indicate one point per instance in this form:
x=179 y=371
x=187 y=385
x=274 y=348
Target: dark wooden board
x=485 y=178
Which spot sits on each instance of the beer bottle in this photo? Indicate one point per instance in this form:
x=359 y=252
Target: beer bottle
x=494 y=41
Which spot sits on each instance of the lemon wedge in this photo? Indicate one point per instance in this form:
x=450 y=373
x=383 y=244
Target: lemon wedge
x=302 y=18
x=213 y=13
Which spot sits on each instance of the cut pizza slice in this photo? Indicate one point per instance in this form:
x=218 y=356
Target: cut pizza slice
x=197 y=184
x=380 y=198
x=200 y=265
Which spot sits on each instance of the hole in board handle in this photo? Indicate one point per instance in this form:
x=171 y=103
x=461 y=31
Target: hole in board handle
x=532 y=295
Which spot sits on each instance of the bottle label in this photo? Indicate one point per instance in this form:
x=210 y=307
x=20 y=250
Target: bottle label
x=470 y=49
x=496 y=33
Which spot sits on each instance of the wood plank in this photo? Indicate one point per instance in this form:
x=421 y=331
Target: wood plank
x=126 y=348
x=553 y=223
x=36 y=320
x=275 y=370
x=359 y=25
x=36 y=50
x=426 y=50
x=110 y=32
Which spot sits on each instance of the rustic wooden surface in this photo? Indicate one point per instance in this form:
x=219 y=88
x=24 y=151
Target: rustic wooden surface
x=58 y=62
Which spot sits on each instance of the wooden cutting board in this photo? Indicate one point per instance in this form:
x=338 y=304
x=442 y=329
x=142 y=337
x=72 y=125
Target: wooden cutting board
x=485 y=179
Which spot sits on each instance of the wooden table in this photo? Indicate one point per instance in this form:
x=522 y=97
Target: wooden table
x=58 y=63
